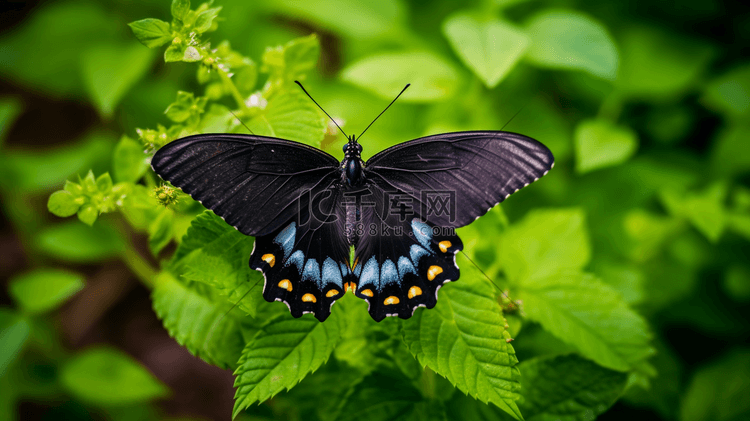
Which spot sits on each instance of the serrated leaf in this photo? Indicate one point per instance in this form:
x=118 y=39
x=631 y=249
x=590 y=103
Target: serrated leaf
x=198 y=319
x=463 y=339
x=14 y=330
x=589 y=315
x=44 y=289
x=490 y=49
x=106 y=376
x=291 y=115
x=282 y=354
x=63 y=204
x=545 y=242
x=129 y=162
x=600 y=143
x=151 y=32
x=564 y=39
x=432 y=78
x=175 y=52
x=385 y=396
x=291 y=61
x=567 y=388
x=205 y=19
x=110 y=71
x=216 y=254
x=718 y=391
x=74 y=242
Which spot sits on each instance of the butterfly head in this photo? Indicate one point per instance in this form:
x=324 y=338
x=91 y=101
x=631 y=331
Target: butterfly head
x=352 y=149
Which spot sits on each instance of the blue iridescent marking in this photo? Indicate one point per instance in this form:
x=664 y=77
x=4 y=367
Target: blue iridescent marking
x=369 y=273
x=331 y=273
x=388 y=273
x=344 y=268
x=358 y=269
x=312 y=271
x=286 y=239
x=405 y=266
x=416 y=252
x=422 y=232
x=297 y=259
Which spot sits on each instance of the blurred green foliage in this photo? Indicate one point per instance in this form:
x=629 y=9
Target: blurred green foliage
x=624 y=270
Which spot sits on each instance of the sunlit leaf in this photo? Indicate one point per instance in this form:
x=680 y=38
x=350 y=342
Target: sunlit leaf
x=490 y=49
x=106 y=376
x=151 y=32
x=432 y=77
x=129 y=162
x=291 y=115
x=160 y=231
x=44 y=289
x=589 y=315
x=544 y=243
x=565 y=39
x=463 y=339
x=75 y=242
x=600 y=144
x=704 y=209
x=198 y=319
x=282 y=354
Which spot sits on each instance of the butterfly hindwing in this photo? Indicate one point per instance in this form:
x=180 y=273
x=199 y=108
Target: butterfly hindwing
x=306 y=265
x=253 y=182
x=481 y=169
x=401 y=263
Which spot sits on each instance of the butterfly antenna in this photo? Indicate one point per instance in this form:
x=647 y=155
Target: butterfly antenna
x=485 y=275
x=386 y=108
x=514 y=116
x=321 y=108
x=241 y=122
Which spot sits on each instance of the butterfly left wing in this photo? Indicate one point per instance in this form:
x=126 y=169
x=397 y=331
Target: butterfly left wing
x=401 y=262
x=476 y=170
x=306 y=265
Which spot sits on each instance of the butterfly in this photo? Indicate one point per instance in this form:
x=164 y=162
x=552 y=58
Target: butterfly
x=398 y=211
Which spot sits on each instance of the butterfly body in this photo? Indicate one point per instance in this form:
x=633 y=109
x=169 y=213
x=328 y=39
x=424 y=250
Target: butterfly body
x=306 y=209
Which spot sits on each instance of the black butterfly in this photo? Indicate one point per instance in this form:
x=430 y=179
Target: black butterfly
x=399 y=210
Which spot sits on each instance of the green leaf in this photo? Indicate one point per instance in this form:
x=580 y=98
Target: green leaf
x=160 y=231
x=110 y=71
x=718 y=392
x=737 y=283
x=88 y=214
x=490 y=49
x=10 y=109
x=108 y=377
x=562 y=39
x=463 y=339
x=129 y=162
x=71 y=241
x=544 y=243
x=657 y=64
x=281 y=355
x=205 y=19
x=568 y=388
x=214 y=253
x=175 y=52
x=151 y=32
x=291 y=61
x=705 y=209
x=730 y=92
x=200 y=320
x=44 y=289
x=589 y=315
x=14 y=330
x=432 y=78
x=291 y=115
x=725 y=161
x=192 y=55
x=44 y=170
x=63 y=204
x=180 y=8
x=600 y=144
x=385 y=396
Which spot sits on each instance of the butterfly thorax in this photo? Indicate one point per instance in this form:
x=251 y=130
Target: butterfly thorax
x=352 y=165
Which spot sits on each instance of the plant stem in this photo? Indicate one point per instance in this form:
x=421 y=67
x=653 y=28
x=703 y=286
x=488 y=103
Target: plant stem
x=139 y=266
x=232 y=88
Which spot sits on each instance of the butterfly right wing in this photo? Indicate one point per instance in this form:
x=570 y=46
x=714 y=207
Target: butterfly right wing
x=253 y=182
